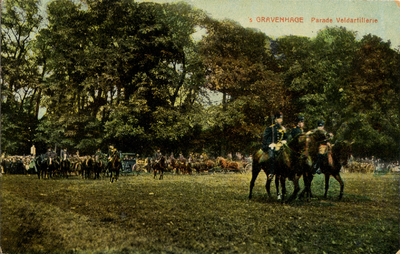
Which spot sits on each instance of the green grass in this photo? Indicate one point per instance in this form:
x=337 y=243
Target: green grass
x=196 y=214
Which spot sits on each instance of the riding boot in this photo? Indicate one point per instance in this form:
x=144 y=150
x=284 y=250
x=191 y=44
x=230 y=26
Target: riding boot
x=271 y=156
x=317 y=165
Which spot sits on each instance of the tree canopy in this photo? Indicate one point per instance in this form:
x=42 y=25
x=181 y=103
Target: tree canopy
x=131 y=74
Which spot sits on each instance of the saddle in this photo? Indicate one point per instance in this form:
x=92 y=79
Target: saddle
x=326 y=151
x=262 y=156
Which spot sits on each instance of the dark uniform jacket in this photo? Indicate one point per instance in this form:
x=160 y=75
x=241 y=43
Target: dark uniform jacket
x=273 y=134
x=327 y=136
x=296 y=131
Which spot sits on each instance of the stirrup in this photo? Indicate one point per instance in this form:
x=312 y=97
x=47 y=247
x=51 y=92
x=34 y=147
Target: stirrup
x=270 y=176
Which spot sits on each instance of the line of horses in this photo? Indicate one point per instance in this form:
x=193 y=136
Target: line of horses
x=296 y=159
x=87 y=167
x=198 y=166
x=92 y=167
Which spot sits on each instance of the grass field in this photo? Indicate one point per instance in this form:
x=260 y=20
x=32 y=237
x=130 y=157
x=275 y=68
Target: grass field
x=196 y=214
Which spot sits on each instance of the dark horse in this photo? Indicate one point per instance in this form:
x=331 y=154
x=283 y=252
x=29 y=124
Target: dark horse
x=291 y=162
x=159 y=166
x=261 y=161
x=40 y=165
x=114 y=166
x=65 y=167
x=341 y=152
x=46 y=167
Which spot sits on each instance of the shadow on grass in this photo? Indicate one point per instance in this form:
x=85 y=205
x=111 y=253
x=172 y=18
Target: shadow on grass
x=316 y=201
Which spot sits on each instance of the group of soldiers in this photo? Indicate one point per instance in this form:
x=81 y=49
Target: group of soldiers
x=276 y=135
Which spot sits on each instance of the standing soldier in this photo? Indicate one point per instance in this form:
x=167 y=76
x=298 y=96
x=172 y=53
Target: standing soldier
x=33 y=151
x=299 y=128
x=274 y=137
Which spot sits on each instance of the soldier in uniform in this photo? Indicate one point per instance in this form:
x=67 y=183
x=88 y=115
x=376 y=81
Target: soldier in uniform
x=324 y=147
x=50 y=154
x=112 y=151
x=274 y=136
x=182 y=158
x=64 y=155
x=299 y=128
x=157 y=155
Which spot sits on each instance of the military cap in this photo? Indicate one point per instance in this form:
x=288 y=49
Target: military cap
x=300 y=119
x=278 y=115
x=320 y=123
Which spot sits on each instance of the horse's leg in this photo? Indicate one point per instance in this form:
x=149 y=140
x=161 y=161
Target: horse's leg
x=283 y=184
x=304 y=191
x=278 y=194
x=307 y=178
x=161 y=174
x=268 y=185
x=327 y=176
x=255 y=171
x=339 y=179
x=296 y=188
x=309 y=183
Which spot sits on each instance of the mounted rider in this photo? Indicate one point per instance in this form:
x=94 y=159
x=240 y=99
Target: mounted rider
x=325 y=148
x=112 y=151
x=157 y=156
x=299 y=127
x=100 y=156
x=50 y=153
x=274 y=137
x=64 y=155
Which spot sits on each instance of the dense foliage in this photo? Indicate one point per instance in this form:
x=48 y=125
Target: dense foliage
x=132 y=74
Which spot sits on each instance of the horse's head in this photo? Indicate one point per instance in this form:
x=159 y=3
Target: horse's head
x=313 y=139
x=341 y=151
x=298 y=143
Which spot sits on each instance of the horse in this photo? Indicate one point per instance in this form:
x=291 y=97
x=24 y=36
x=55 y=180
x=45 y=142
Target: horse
x=40 y=166
x=114 y=166
x=159 y=166
x=261 y=161
x=180 y=166
x=65 y=167
x=228 y=166
x=99 y=166
x=341 y=153
x=87 y=167
x=51 y=167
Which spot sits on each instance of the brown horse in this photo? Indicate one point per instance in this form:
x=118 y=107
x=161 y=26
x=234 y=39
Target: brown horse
x=261 y=161
x=114 y=166
x=159 y=166
x=228 y=166
x=341 y=153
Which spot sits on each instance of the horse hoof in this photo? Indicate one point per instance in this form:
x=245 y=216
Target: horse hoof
x=279 y=197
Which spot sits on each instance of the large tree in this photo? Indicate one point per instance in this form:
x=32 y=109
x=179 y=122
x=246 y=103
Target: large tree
x=119 y=72
x=20 y=20
x=241 y=66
